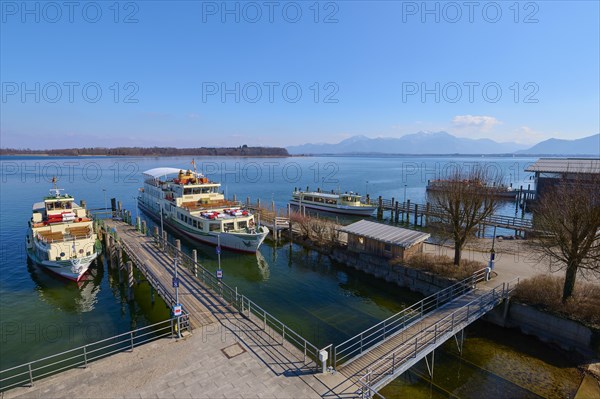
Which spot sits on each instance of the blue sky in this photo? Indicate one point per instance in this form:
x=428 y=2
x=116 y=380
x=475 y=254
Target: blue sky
x=511 y=73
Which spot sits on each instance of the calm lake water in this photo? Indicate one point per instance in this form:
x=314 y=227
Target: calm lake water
x=326 y=302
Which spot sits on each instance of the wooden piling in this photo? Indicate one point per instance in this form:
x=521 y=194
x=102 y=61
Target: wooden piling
x=178 y=246
x=416 y=214
x=195 y=258
x=144 y=229
x=407 y=211
x=380 y=208
x=138 y=223
x=396 y=213
x=119 y=209
x=130 y=280
x=392 y=209
x=427 y=209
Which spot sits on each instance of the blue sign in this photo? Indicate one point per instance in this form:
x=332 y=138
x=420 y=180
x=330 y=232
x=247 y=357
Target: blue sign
x=219 y=273
x=218 y=250
x=175 y=282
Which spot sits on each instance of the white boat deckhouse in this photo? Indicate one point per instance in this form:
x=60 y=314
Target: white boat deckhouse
x=193 y=205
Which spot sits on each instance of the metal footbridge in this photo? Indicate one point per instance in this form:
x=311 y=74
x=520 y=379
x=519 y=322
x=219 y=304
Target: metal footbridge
x=381 y=353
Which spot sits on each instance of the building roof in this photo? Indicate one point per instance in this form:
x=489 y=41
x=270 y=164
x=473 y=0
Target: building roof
x=565 y=165
x=388 y=234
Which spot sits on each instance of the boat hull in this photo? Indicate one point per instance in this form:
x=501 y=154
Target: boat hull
x=239 y=242
x=70 y=269
x=339 y=209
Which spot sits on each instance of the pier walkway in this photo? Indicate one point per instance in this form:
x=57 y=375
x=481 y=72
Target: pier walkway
x=381 y=353
x=399 y=210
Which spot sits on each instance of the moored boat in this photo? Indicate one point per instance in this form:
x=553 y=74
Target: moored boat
x=192 y=205
x=61 y=237
x=345 y=204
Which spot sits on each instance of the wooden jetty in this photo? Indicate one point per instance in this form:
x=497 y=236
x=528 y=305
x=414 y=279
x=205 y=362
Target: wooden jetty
x=403 y=212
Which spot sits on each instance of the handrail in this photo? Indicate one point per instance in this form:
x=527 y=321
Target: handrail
x=29 y=372
x=384 y=330
x=243 y=304
x=430 y=335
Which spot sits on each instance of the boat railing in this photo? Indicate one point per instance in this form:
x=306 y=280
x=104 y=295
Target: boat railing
x=65 y=238
x=27 y=373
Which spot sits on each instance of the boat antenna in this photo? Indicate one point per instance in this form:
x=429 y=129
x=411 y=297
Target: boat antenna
x=194 y=165
x=55 y=190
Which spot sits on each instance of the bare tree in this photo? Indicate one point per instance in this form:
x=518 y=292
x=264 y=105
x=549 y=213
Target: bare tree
x=463 y=201
x=567 y=217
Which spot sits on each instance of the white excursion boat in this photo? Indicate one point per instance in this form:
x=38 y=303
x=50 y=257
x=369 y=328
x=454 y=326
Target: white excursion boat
x=346 y=204
x=193 y=206
x=61 y=237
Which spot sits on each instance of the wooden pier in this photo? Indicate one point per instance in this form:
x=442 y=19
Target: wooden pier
x=420 y=215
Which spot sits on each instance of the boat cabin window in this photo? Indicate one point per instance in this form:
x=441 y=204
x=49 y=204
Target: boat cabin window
x=58 y=205
x=228 y=226
x=195 y=223
x=308 y=198
x=187 y=191
x=214 y=227
x=243 y=224
x=330 y=201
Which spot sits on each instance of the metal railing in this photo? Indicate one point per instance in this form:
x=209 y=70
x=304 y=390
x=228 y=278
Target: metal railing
x=27 y=373
x=429 y=337
x=244 y=305
x=382 y=331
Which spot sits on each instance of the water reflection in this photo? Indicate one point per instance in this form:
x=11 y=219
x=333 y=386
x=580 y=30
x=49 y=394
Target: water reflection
x=67 y=295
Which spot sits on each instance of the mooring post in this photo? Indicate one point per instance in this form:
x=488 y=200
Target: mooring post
x=109 y=248
x=138 y=223
x=392 y=209
x=130 y=280
x=129 y=218
x=396 y=213
x=195 y=258
x=178 y=246
x=144 y=230
x=164 y=240
x=427 y=208
x=416 y=221
x=119 y=209
x=407 y=211
x=380 y=208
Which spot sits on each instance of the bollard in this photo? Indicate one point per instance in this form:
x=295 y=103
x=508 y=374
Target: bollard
x=178 y=246
x=416 y=214
x=164 y=240
x=138 y=223
x=407 y=211
x=143 y=227
x=119 y=209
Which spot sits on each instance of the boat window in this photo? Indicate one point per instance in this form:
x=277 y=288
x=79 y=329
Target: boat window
x=214 y=226
x=307 y=198
x=228 y=226
x=330 y=201
x=187 y=191
x=62 y=254
x=242 y=225
x=195 y=223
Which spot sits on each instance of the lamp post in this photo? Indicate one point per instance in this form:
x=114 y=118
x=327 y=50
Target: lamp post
x=405 y=193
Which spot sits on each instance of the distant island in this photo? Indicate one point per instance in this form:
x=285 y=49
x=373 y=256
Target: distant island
x=242 y=151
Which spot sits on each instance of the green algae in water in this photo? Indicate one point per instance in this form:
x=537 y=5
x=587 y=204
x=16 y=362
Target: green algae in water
x=495 y=363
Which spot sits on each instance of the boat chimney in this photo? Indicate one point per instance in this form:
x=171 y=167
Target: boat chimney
x=82 y=203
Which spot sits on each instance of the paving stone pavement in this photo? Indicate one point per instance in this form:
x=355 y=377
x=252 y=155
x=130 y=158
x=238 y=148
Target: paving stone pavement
x=191 y=367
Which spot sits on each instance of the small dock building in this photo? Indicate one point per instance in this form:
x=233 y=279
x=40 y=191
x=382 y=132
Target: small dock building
x=365 y=237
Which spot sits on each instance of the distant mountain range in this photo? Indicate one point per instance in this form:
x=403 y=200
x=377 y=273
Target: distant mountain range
x=445 y=143
x=584 y=146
